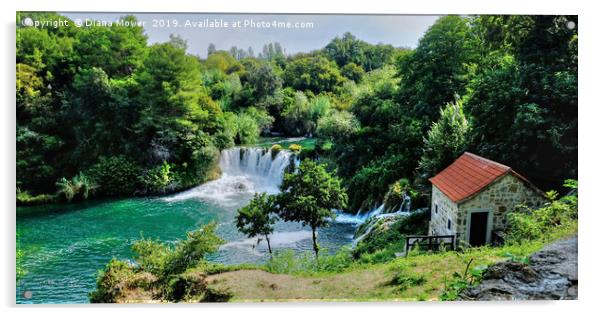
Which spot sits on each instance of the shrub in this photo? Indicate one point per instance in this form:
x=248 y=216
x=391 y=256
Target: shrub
x=216 y=293
x=164 y=260
x=79 y=187
x=158 y=178
x=459 y=282
x=174 y=272
x=112 y=282
x=25 y=198
x=115 y=175
x=530 y=224
x=337 y=125
x=186 y=286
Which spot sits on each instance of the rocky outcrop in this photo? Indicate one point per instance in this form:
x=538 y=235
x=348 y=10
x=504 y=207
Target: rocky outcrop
x=550 y=275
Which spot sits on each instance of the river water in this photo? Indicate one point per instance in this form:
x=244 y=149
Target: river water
x=65 y=245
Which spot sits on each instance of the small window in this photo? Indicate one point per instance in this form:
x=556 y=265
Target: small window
x=448 y=224
x=436 y=209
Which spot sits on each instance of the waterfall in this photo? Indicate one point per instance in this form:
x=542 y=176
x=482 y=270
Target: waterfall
x=245 y=171
x=256 y=163
x=358 y=218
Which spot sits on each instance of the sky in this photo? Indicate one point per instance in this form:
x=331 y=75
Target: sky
x=397 y=30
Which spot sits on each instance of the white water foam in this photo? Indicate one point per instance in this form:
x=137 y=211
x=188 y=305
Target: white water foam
x=245 y=171
x=277 y=240
x=358 y=218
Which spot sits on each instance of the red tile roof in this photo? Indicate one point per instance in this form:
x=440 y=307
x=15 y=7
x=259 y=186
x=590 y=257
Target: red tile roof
x=468 y=175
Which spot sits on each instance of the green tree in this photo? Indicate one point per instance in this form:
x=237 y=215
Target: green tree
x=446 y=140
x=118 y=49
x=439 y=68
x=309 y=196
x=297 y=115
x=338 y=124
x=353 y=72
x=257 y=219
x=316 y=74
x=115 y=176
x=349 y=49
x=100 y=113
x=524 y=100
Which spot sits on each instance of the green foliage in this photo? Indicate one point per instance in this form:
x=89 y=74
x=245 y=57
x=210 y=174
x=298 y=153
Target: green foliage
x=301 y=115
x=297 y=115
x=288 y=262
x=151 y=255
x=79 y=187
x=115 y=175
x=112 y=282
x=275 y=149
x=459 y=282
x=186 y=286
x=353 y=72
x=397 y=193
x=439 y=68
x=174 y=268
x=261 y=85
x=257 y=219
x=118 y=49
x=350 y=50
x=247 y=129
x=338 y=124
x=309 y=196
x=158 y=178
x=25 y=198
x=192 y=250
x=558 y=214
x=446 y=140
x=524 y=99
x=316 y=74
x=295 y=148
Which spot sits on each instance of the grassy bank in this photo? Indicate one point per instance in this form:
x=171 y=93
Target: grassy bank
x=413 y=278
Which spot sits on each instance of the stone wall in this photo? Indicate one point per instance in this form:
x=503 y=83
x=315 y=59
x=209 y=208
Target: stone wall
x=442 y=210
x=503 y=196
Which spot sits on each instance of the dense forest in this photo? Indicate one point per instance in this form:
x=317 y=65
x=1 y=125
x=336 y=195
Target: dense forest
x=102 y=112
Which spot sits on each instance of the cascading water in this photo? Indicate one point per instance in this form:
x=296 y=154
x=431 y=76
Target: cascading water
x=374 y=216
x=245 y=171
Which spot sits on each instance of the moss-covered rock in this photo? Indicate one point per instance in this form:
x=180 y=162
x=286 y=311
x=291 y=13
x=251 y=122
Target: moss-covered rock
x=275 y=150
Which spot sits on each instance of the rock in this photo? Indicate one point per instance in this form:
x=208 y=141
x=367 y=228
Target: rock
x=550 y=275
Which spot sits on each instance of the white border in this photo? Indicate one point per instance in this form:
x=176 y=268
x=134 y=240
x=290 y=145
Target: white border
x=589 y=153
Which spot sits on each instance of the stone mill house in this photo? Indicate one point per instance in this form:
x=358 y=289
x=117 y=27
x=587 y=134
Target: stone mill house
x=472 y=197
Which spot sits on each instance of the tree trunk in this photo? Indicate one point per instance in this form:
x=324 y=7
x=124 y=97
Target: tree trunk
x=269 y=247
x=316 y=248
